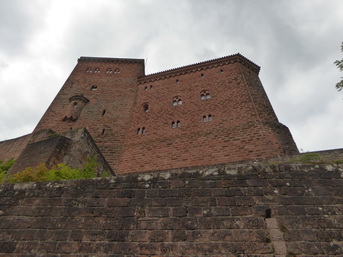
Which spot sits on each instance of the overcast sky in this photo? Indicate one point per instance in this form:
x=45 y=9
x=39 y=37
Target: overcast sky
x=294 y=41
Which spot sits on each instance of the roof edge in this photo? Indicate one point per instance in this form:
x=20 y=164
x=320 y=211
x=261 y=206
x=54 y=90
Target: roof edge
x=200 y=66
x=107 y=59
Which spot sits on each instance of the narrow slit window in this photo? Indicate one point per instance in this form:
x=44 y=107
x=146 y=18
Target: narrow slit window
x=103 y=132
x=103 y=112
x=178 y=124
x=138 y=131
x=146 y=107
x=143 y=130
x=204 y=118
x=268 y=213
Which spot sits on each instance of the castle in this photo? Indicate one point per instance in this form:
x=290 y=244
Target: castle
x=202 y=114
x=198 y=125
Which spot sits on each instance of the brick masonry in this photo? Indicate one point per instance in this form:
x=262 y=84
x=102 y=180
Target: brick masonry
x=202 y=114
x=270 y=208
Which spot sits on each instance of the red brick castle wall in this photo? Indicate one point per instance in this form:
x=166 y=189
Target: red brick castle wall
x=202 y=114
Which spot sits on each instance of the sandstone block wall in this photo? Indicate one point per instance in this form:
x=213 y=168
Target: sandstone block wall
x=12 y=148
x=255 y=209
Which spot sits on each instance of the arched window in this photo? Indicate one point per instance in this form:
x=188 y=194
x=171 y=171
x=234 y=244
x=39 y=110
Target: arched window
x=205 y=94
x=177 y=100
x=173 y=124
x=207 y=118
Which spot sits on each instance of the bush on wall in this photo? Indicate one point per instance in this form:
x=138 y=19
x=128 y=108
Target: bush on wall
x=42 y=173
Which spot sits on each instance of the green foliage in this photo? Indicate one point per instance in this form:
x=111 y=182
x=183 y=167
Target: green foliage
x=61 y=172
x=309 y=158
x=4 y=167
x=29 y=175
x=339 y=64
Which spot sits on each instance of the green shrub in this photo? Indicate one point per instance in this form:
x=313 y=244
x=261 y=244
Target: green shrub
x=29 y=175
x=61 y=172
x=309 y=158
x=4 y=168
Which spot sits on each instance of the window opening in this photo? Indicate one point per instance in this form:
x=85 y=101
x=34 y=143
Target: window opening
x=205 y=94
x=74 y=104
x=268 y=213
x=177 y=81
x=150 y=87
x=221 y=71
x=138 y=131
x=97 y=70
x=178 y=124
x=146 y=88
x=103 y=112
x=103 y=132
x=143 y=130
x=202 y=75
x=173 y=124
x=145 y=107
x=89 y=70
x=177 y=101
x=207 y=118
x=117 y=71
x=109 y=71
x=93 y=88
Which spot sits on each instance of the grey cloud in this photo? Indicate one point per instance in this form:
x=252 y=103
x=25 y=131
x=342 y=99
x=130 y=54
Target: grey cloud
x=18 y=21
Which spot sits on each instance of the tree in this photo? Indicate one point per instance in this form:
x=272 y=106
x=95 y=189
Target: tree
x=339 y=64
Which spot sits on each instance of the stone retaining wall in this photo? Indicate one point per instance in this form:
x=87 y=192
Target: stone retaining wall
x=254 y=209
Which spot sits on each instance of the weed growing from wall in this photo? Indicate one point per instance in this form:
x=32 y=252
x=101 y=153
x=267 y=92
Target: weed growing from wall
x=4 y=167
